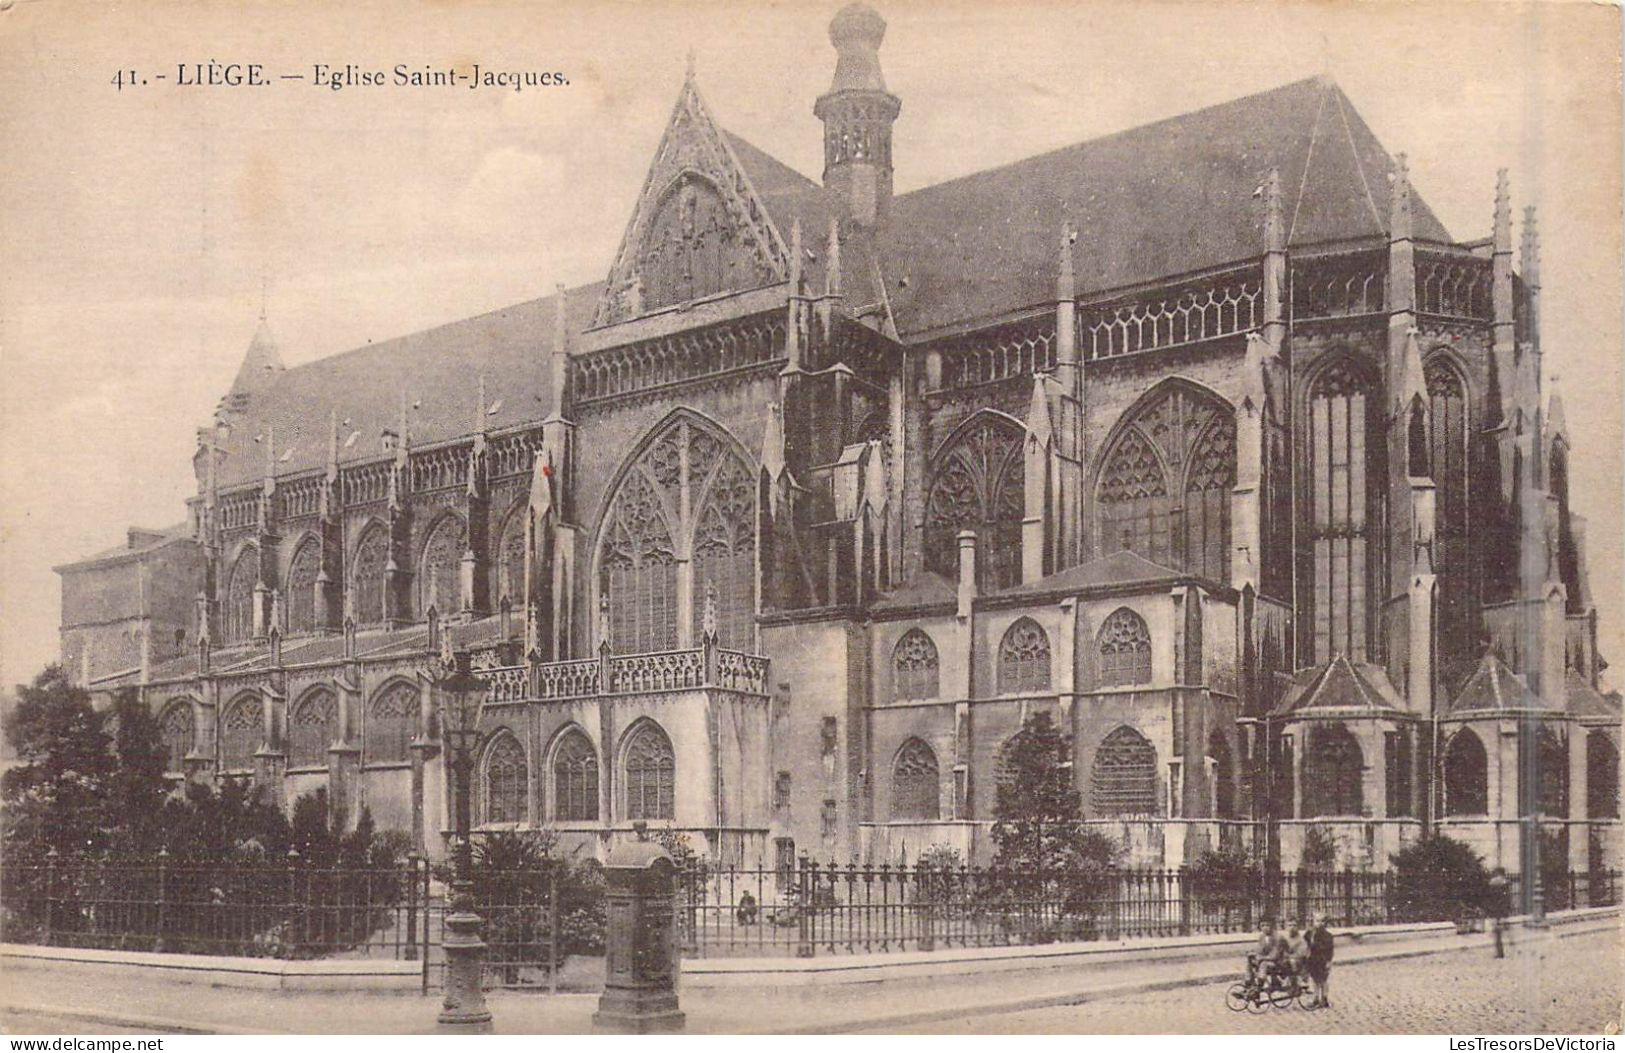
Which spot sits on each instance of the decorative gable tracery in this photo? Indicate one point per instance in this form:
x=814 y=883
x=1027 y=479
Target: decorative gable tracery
x=699 y=227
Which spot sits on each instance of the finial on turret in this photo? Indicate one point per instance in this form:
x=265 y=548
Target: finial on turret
x=1501 y=236
x=1529 y=254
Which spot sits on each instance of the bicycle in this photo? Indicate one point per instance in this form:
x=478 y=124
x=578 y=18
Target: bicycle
x=1280 y=990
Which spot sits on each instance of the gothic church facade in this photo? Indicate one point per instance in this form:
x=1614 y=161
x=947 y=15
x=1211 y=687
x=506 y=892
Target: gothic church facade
x=1205 y=438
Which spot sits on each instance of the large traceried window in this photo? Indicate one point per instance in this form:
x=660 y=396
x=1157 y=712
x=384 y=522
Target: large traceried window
x=914 y=666
x=440 y=573
x=977 y=483
x=506 y=781
x=177 y=729
x=575 y=779
x=1448 y=415
x=1123 y=780
x=238 y=620
x=1466 y=775
x=1333 y=773
x=651 y=774
x=916 y=786
x=301 y=590
x=691 y=250
x=688 y=492
x=392 y=724
x=1602 y=776
x=1024 y=659
x=510 y=561
x=1343 y=463
x=1124 y=645
x=1551 y=773
x=1165 y=482
x=241 y=732
x=312 y=727
x=367 y=577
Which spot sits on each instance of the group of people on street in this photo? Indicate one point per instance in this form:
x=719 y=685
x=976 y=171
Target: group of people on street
x=1299 y=950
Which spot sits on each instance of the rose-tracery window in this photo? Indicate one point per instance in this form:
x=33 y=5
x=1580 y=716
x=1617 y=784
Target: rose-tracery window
x=575 y=779
x=685 y=470
x=977 y=483
x=177 y=729
x=651 y=774
x=1125 y=650
x=367 y=580
x=1165 y=483
x=312 y=727
x=1024 y=659
x=1333 y=773
x=506 y=777
x=239 y=612
x=301 y=592
x=1447 y=462
x=1342 y=418
x=1466 y=775
x=392 y=724
x=240 y=733
x=1123 y=780
x=914 y=666
x=691 y=249
x=442 y=566
x=916 y=788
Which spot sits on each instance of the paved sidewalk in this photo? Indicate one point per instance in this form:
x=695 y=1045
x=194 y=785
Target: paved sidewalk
x=55 y=993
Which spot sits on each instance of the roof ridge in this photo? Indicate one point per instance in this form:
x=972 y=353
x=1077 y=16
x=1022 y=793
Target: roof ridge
x=1308 y=162
x=1359 y=166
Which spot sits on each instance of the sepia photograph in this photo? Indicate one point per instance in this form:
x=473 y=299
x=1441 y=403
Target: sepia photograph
x=884 y=518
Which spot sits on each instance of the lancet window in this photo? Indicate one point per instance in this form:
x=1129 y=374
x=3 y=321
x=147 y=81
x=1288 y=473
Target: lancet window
x=651 y=774
x=575 y=779
x=1342 y=461
x=312 y=727
x=916 y=786
x=977 y=483
x=367 y=577
x=506 y=781
x=441 y=568
x=238 y=623
x=914 y=666
x=301 y=593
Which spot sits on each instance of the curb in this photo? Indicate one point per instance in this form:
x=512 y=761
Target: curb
x=151 y=1023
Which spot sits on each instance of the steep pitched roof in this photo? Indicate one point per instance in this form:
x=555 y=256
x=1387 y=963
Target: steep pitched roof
x=1359 y=688
x=1493 y=688
x=1583 y=700
x=440 y=367
x=1159 y=200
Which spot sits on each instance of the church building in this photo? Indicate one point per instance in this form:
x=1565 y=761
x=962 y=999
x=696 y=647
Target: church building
x=1205 y=438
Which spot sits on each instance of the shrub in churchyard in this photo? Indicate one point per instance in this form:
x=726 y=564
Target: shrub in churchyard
x=59 y=796
x=1438 y=879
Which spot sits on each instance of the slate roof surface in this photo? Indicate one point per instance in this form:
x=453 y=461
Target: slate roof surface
x=925 y=589
x=1583 y=700
x=1341 y=685
x=1121 y=568
x=1493 y=687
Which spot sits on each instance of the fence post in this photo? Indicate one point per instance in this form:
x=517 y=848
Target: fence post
x=1182 y=888
x=412 y=907
x=289 y=943
x=158 y=937
x=50 y=895
x=1348 y=896
x=804 y=944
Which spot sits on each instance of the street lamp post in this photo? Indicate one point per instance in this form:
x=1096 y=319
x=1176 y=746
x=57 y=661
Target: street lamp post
x=461 y=695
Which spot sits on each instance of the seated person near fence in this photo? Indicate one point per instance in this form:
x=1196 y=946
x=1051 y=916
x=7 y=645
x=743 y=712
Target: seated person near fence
x=1265 y=959
x=746 y=912
x=1297 y=949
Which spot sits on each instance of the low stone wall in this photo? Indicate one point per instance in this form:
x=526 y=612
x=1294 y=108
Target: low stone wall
x=347 y=974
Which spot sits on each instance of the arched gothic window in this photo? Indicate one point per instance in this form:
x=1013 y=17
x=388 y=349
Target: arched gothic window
x=506 y=780
x=1123 y=780
x=1224 y=775
x=690 y=249
x=651 y=774
x=1466 y=775
x=367 y=578
x=1602 y=777
x=1568 y=559
x=1125 y=650
x=392 y=724
x=1024 y=659
x=301 y=592
x=916 y=786
x=510 y=561
x=1165 y=482
x=241 y=731
x=1447 y=460
x=914 y=666
x=575 y=779
x=239 y=612
x=312 y=727
x=177 y=729
x=977 y=483
x=1333 y=773
x=1342 y=422
x=440 y=573
x=1551 y=773
x=686 y=470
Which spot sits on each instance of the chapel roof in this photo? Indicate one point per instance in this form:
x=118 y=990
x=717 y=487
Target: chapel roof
x=1342 y=686
x=1493 y=688
x=1118 y=570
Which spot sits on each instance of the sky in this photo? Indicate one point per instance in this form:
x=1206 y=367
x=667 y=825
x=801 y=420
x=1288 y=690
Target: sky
x=143 y=229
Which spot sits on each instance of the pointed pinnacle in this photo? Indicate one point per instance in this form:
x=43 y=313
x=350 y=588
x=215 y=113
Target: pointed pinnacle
x=1502 y=235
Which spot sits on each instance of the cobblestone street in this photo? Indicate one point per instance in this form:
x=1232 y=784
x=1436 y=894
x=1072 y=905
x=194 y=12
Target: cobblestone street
x=1569 y=986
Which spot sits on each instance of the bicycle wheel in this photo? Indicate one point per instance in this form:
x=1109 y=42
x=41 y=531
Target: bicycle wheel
x=1282 y=994
x=1235 y=999
x=1306 y=996
x=1257 y=1000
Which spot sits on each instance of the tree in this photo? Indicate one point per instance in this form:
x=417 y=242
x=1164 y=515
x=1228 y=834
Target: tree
x=1043 y=846
x=138 y=785
x=1439 y=879
x=58 y=797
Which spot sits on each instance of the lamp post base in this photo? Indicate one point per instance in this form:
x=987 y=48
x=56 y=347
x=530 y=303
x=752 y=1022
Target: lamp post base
x=464 y=1012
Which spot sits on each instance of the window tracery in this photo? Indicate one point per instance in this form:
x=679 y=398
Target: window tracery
x=651 y=770
x=511 y=560
x=239 y=619
x=302 y=572
x=916 y=792
x=1123 y=780
x=367 y=577
x=978 y=484
x=312 y=726
x=1342 y=459
x=1124 y=644
x=442 y=566
x=1449 y=416
x=1333 y=773
x=240 y=731
x=575 y=779
x=914 y=666
x=392 y=724
x=1024 y=659
x=177 y=729
x=691 y=248
x=506 y=779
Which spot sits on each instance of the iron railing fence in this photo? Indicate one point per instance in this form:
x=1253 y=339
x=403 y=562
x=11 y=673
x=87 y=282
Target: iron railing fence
x=827 y=908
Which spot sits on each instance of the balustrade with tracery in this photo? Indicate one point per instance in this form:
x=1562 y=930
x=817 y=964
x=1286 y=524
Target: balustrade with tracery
x=1226 y=308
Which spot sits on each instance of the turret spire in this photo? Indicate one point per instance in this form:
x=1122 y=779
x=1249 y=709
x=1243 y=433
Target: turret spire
x=858 y=113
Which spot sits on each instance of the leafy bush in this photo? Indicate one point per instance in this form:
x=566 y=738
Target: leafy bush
x=1319 y=849
x=1439 y=879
